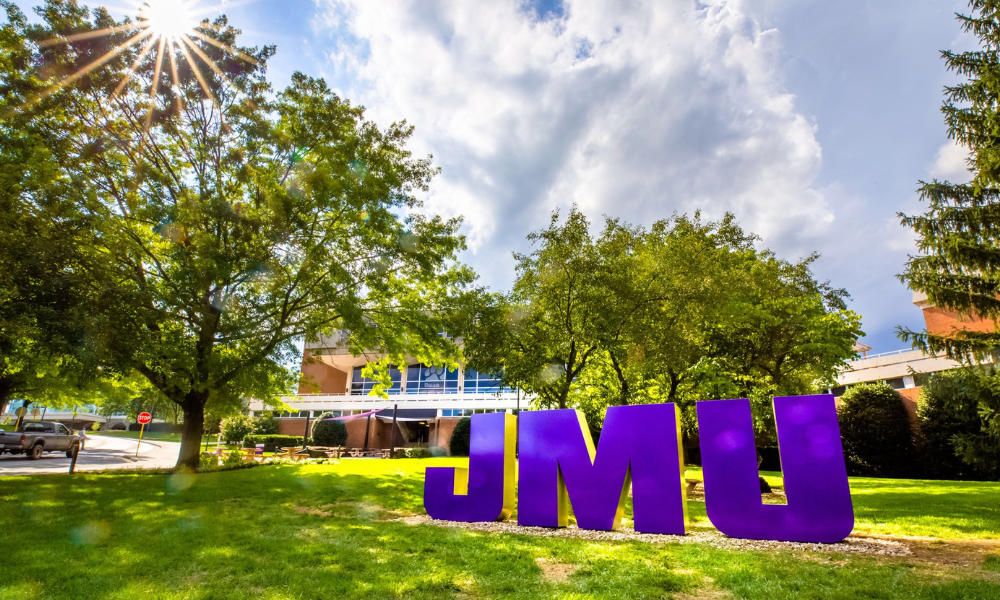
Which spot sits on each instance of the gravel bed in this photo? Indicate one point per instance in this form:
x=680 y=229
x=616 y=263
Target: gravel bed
x=852 y=545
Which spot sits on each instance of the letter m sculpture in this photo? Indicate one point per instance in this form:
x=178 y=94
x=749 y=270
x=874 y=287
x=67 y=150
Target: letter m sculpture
x=638 y=444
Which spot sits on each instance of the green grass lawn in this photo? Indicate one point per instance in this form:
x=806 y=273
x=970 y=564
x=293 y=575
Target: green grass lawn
x=332 y=531
x=956 y=510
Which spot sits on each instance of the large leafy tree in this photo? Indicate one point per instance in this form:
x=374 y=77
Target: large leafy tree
x=45 y=299
x=541 y=335
x=958 y=237
x=232 y=220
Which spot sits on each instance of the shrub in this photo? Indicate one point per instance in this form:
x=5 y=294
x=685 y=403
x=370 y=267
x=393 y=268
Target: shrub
x=208 y=461
x=272 y=443
x=266 y=424
x=950 y=424
x=329 y=433
x=233 y=459
x=236 y=428
x=876 y=431
x=459 y=445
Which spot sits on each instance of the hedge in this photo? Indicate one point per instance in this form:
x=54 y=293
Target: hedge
x=272 y=443
x=412 y=453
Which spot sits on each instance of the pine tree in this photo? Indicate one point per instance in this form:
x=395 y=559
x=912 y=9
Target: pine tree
x=958 y=264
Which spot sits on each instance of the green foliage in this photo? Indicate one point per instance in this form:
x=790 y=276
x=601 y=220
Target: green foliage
x=459 y=444
x=272 y=443
x=958 y=263
x=683 y=311
x=225 y=229
x=233 y=459
x=955 y=439
x=412 y=453
x=266 y=424
x=329 y=433
x=876 y=431
x=237 y=427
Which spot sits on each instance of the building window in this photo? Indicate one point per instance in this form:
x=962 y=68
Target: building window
x=360 y=385
x=421 y=379
x=481 y=383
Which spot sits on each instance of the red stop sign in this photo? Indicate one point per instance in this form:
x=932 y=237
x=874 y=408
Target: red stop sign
x=145 y=418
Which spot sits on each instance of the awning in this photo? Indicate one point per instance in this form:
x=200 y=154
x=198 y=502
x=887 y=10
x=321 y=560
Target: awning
x=408 y=414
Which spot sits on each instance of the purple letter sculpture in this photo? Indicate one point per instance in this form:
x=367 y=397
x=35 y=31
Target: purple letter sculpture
x=484 y=491
x=819 y=505
x=639 y=443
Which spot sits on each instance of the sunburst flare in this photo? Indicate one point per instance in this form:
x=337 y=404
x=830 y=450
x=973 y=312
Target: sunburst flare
x=169 y=28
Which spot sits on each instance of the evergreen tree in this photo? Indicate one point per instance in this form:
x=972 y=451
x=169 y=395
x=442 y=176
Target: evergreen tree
x=958 y=265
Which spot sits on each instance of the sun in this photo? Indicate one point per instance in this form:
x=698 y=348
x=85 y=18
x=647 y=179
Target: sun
x=168 y=31
x=170 y=19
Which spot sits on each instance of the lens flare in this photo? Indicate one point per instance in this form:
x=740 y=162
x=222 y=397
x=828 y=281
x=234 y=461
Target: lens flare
x=169 y=18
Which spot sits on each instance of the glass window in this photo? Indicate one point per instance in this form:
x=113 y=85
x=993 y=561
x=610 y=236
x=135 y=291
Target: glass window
x=360 y=385
x=476 y=382
x=421 y=379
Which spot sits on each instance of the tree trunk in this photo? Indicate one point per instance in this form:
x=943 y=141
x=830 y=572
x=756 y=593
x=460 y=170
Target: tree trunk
x=5 y=395
x=194 y=428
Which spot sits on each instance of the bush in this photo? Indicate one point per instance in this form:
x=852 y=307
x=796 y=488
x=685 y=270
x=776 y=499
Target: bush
x=208 y=461
x=876 y=431
x=459 y=445
x=949 y=419
x=272 y=443
x=265 y=424
x=412 y=453
x=237 y=427
x=329 y=433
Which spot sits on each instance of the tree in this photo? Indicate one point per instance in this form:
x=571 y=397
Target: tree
x=231 y=221
x=237 y=427
x=958 y=265
x=876 y=431
x=789 y=334
x=329 y=432
x=541 y=335
x=954 y=437
x=45 y=302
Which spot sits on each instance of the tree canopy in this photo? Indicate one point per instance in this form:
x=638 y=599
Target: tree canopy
x=682 y=311
x=228 y=219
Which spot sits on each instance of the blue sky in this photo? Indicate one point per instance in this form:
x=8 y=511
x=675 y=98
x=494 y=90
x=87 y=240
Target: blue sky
x=811 y=120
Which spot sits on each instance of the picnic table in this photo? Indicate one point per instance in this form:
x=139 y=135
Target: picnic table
x=691 y=484
x=292 y=453
x=336 y=452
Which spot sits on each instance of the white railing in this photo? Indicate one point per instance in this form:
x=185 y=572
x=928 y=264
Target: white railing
x=424 y=401
x=881 y=354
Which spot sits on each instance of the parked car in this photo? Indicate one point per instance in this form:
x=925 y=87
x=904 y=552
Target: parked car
x=35 y=438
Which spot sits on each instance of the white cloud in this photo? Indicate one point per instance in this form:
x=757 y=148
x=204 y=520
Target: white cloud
x=950 y=163
x=635 y=108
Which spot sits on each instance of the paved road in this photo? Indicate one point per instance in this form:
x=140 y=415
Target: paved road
x=100 y=453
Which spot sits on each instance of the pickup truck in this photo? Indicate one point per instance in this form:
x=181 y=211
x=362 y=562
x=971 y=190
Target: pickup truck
x=35 y=438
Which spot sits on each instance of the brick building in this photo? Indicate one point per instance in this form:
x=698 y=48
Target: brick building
x=908 y=370
x=425 y=402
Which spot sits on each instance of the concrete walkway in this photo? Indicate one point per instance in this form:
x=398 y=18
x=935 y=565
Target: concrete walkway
x=100 y=453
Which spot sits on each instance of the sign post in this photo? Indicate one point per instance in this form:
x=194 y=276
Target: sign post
x=143 y=419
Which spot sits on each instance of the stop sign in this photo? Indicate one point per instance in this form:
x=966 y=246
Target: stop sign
x=144 y=418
